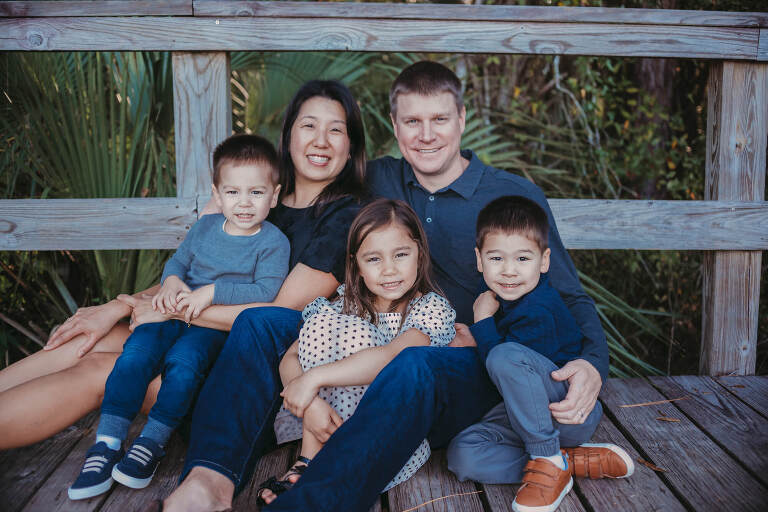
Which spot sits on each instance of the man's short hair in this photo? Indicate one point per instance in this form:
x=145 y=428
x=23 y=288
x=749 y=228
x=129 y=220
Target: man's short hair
x=428 y=79
x=245 y=149
x=513 y=215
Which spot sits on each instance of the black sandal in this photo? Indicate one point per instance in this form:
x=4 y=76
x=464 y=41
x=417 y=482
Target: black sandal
x=280 y=486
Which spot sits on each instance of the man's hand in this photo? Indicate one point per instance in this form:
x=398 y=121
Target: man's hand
x=584 y=386
x=143 y=312
x=299 y=393
x=195 y=301
x=463 y=337
x=167 y=298
x=321 y=420
x=93 y=322
x=485 y=306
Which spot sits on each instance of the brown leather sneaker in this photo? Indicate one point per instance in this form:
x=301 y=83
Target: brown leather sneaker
x=544 y=487
x=599 y=460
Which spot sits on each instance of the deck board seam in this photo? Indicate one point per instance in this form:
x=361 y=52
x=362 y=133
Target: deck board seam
x=732 y=393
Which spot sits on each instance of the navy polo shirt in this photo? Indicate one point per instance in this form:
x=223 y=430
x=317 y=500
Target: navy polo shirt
x=449 y=216
x=538 y=320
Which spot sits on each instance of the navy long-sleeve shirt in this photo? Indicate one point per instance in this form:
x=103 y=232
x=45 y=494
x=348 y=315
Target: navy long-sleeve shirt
x=242 y=269
x=449 y=216
x=538 y=320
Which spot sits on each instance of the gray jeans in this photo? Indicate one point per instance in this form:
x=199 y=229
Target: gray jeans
x=495 y=450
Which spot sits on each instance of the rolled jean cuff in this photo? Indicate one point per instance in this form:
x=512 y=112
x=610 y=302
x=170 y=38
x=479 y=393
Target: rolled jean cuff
x=190 y=464
x=544 y=448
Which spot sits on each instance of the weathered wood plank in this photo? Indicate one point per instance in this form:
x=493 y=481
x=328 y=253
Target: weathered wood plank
x=137 y=223
x=688 y=225
x=500 y=498
x=729 y=421
x=644 y=490
x=202 y=108
x=762 y=47
x=737 y=135
x=30 y=224
x=282 y=34
x=479 y=13
x=432 y=481
x=699 y=470
x=274 y=463
x=100 y=8
x=752 y=390
x=24 y=470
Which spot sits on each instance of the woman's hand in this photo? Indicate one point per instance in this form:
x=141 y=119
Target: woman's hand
x=143 y=312
x=584 y=385
x=93 y=322
x=195 y=302
x=321 y=419
x=463 y=337
x=299 y=393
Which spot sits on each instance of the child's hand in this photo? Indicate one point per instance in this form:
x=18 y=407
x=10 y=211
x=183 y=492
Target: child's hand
x=485 y=306
x=463 y=337
x=195 y=301
x=168 y=296
x=299 y=393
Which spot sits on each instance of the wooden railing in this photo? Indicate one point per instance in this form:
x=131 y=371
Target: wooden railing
x=731 y=225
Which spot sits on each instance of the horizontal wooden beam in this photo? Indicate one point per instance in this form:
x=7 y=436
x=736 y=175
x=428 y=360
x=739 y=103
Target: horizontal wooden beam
x=100 y=8
x=479 y=13
x=762 y=47
x=296 y=34
x=29 y=224
x=79 y=224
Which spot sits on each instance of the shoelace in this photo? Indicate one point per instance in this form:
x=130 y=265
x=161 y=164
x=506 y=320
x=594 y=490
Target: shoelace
x=140 y=454
x=94 y=463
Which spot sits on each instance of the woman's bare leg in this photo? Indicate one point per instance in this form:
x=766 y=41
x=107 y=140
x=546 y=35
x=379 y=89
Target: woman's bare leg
x=202 y=490
x=46 y=362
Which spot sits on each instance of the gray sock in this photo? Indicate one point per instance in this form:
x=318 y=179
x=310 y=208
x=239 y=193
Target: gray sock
x=113 y=426
x=157 y=431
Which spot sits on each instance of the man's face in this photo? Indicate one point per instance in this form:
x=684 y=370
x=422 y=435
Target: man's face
x=428 y=131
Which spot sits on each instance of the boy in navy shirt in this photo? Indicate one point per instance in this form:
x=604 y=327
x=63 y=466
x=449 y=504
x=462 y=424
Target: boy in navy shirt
x=235 y=257
x=524 y=332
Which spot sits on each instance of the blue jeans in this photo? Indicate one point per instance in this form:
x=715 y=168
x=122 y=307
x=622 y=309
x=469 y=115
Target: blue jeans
x=232 y=422
x=496 y=450
x=431 y=392
x=183 y=355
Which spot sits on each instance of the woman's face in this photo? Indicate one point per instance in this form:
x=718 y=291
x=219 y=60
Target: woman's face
x=319 y=141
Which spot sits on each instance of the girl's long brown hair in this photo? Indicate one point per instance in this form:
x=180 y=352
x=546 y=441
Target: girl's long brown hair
x=358 y=299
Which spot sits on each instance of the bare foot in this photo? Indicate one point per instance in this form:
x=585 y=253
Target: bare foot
x=203 y=490
x=288 y=479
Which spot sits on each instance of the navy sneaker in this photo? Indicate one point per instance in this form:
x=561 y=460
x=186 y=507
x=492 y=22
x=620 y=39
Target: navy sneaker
x=96 y=476
x=138 y=466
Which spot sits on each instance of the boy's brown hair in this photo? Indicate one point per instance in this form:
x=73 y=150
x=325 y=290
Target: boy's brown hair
x=245 y=149
x=513 y=215
x=426 y=78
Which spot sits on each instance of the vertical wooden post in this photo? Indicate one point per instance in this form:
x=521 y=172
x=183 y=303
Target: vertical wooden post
x=202 y=106
x=737 y=136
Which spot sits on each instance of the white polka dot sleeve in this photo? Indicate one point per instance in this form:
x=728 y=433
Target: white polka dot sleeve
x=323 y=305
x=434 y=316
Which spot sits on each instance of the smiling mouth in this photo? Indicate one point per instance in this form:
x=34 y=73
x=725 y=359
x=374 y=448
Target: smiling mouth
x=428 y=151
x=244 y=216
x=318 y=159
x=510 y=286
x=391 y=286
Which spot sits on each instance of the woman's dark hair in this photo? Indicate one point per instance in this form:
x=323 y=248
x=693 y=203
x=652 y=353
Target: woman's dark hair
x=358 y=299
x=351 y=179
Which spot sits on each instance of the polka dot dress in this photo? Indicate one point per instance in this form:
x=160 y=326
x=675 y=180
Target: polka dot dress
x=328 y=336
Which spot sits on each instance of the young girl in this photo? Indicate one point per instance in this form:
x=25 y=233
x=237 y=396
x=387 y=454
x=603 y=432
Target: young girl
x=388 y=302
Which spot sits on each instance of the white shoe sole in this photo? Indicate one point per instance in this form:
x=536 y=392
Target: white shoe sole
x=546 y=508
x=618 y=450
x=84 y=493
x=129 y=481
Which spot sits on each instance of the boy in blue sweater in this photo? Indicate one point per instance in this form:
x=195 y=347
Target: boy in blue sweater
x=235 y=257
x=524 y=332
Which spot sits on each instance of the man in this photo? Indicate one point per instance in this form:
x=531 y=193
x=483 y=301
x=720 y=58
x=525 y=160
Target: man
x=427 y=391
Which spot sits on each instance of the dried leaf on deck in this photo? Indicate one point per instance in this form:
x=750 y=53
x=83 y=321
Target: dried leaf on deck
x=740 y=386
x=650 y=465
x=657 y=402
x=667 y=418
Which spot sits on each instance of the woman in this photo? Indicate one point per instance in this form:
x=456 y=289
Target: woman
x=322 y=150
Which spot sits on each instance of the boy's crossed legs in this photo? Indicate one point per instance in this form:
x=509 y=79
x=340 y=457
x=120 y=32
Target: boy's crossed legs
x=499 y=448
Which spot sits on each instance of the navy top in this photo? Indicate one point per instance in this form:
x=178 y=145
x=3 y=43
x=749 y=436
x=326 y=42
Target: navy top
x=539 y=320
x=242 y=269
x=318 y=240
x=449 y=216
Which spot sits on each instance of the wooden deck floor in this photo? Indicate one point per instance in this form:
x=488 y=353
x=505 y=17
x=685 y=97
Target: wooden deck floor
x=707 y=451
